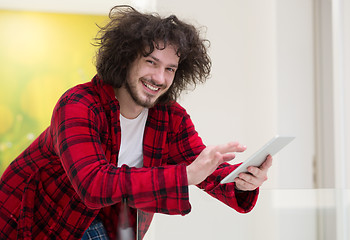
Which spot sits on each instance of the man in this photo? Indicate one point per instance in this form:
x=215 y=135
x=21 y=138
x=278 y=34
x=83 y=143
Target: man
x=120 y=144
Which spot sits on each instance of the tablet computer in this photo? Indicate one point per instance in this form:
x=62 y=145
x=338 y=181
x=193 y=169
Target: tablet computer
x=270 y=148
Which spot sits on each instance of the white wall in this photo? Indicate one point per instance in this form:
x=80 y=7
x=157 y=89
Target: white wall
x=295 y=83
x=346 y=28
x=296 y=112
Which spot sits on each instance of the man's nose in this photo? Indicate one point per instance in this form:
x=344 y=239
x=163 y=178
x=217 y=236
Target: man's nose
x=159 y=76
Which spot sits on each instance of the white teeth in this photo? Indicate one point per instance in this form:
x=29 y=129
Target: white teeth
x=150 y=87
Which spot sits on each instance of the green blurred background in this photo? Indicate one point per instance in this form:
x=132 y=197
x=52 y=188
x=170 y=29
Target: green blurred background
x=41 y=56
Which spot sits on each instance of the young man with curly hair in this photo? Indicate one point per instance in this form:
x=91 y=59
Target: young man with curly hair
x=121 y=145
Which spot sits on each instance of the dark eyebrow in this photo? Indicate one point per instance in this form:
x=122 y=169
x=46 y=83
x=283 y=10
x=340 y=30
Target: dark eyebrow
x=158 y=60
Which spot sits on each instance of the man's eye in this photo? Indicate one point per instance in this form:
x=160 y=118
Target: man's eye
x=150 y=61
x=171 y=69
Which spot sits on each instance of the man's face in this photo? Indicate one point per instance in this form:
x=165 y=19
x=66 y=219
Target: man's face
x=150 y=77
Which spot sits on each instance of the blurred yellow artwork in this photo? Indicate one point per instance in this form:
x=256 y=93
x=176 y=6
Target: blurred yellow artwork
x=41 y=56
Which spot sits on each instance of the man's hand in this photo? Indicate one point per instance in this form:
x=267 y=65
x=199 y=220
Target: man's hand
x=209 y=159
x=255 y=177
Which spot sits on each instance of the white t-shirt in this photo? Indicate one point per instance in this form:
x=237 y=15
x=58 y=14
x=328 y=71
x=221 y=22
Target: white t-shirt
x=131 y=147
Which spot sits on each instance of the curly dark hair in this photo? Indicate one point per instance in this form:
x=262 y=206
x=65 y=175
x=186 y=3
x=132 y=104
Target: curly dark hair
x=131 y=33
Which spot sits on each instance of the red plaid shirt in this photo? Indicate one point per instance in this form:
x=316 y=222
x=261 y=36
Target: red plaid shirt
x=69 y=174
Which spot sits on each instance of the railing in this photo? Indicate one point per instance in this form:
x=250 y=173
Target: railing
x=285 y=214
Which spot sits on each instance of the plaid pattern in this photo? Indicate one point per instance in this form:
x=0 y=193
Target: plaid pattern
x=96 y=231
x=68 y=175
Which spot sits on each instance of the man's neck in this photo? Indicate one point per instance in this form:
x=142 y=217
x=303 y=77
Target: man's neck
x=128 y=108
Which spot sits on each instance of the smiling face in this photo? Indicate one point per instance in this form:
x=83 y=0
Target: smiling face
x=150 y=77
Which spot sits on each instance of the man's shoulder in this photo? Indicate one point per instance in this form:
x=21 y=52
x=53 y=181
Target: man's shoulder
x=79 y=93
x=172 y=113
x=171 y=108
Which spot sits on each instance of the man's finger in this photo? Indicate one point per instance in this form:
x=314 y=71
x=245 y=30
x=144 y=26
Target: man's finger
x=228 y=156
x=267 y=164
x=231 y=147
x=243 y=185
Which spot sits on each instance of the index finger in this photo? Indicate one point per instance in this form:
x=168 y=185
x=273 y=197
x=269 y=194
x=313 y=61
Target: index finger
x=231 y=147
